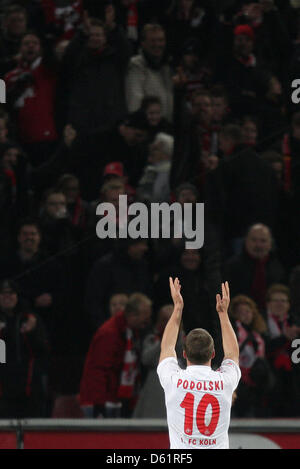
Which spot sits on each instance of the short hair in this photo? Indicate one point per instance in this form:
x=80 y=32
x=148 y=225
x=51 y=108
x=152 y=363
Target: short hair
x=199 y=346
x=260 y=226
x=232 y=131
x=49 y=192
x=197 y=93
x=113 y=180
x=164 y=142
x=219 y=91
x=12 y=9
x=135 y=301
x=29 y=221
x=150 y=27
x=278 y=288
x=148 y=101
x=4 y=116
x=64 y=179
x=99 y=23
x=258 y=323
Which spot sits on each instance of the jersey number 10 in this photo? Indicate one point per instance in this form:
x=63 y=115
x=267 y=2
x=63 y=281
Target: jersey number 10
x=188 y=405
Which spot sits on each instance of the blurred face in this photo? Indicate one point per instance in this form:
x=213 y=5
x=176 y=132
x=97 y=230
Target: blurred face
x=153 y=114
x=202 y=107
x=249 y=131
x=132 y=135
x=137 y=250
x=16 y=24
x=97 y=38
x=113 y=191
x=3 y=131
x=8 y=299
x=141 y=319
x=10 y=158
x=243 y=45
x=163 y=317
x=279 y=304
x=190 y=259
x=190 y=61
x=71 y=190
x=117 y=303
x=258 y=242
x=187 y=196
x=29 y=239
x=56 y=205
x=278 y=169
x=219 y=108
x=155 y=43
x=30 y=48
x=244 y=313
x=275 y=86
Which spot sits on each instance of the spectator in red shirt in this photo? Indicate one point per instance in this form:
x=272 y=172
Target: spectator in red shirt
x=109 y=384
x=31 y=95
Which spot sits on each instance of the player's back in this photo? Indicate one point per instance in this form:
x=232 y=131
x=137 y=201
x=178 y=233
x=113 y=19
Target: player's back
x=198 y=402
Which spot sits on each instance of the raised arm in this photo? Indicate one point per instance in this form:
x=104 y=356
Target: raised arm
x=170 y=335
x=230 y=343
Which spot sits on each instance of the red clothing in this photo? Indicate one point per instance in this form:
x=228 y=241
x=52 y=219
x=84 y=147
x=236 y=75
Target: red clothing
x=104 y=362
x=65 y=18
x=35 y=107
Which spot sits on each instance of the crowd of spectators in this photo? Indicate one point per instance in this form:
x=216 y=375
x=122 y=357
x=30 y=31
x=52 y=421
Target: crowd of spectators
x=161 y=101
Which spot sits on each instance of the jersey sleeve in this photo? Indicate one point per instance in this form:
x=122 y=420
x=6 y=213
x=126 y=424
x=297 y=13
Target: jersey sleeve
x=168 y=367
x=231 y=372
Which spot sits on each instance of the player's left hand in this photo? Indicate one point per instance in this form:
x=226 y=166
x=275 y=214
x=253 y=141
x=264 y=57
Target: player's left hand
x=175 y=289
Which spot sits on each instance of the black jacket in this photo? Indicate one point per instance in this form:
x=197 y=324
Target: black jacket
x=113 y=273
x=242 y=191
x=21 y=375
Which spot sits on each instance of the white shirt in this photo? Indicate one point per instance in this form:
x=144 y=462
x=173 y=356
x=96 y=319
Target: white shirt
x=198 y=402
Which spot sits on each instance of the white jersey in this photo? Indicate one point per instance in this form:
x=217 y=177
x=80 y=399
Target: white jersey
x=198 y=402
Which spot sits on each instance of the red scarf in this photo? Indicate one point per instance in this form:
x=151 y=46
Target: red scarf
x=132 y=21
x=130 y=371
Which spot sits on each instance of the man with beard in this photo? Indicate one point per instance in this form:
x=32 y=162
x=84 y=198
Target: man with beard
x=149 y=72
x=40 y=280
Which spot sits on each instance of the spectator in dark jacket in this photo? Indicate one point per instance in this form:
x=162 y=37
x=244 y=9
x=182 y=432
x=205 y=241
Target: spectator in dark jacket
x=242 y=190
x=22 y=376
x=199 y=311
x=92 y=83
x=111 y=376
x=31 y=96
x=253 y=270
x=123 y=269
x=88 y=154
x=40 y=279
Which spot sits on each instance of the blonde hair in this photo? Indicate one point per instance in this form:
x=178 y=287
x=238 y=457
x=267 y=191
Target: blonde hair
x=135 y=300
x=278 y=288
x=258 y=323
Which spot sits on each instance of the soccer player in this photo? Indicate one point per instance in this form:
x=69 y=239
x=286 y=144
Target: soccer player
x=198 y=399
